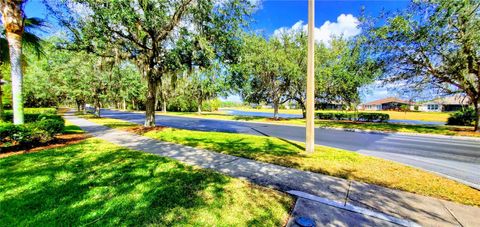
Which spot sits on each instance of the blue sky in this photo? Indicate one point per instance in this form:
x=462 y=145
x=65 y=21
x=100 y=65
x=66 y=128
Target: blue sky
x=272 y=15
x=283 y=13
x=35 y=8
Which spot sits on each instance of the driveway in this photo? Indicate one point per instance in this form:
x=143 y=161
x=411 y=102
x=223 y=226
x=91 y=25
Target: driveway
x=456 y=158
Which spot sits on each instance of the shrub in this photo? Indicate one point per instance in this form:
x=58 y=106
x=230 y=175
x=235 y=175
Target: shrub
x=336 y=116
x=181 y=104
x=325 y=116
x=42 y=130
x=31 y=117
x=368 y=117
x=464 y=117
x=211 y=105
x=15 y=133
x=373 y=117
x=40 y=111
x=50 y=126
x=49 y=117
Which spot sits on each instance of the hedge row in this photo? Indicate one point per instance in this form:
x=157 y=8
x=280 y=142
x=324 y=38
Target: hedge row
x=32 y=117
x=366 y=117
x=43 y=129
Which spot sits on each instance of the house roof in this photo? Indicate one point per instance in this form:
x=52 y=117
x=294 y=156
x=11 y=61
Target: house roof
x=388 y=100
x=458 y=99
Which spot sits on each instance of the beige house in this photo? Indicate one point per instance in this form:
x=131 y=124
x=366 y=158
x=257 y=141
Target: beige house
x=390 y=103
x=445 y=104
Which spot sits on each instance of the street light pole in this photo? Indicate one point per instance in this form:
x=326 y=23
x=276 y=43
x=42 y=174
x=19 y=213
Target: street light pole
x=310 y=127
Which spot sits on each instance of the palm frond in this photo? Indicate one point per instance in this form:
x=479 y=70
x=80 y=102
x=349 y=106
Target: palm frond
x=33 y=42
x=34 y=23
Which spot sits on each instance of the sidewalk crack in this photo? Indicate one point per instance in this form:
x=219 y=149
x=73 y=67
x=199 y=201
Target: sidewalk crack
x=230 y=161
x=348 y=192
x=453 y=215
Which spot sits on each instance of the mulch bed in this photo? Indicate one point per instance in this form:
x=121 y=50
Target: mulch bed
x=59 y=141
x=142 y=130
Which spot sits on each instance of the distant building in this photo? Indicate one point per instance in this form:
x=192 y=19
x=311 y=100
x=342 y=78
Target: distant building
x=390 y=103
x=445 y=104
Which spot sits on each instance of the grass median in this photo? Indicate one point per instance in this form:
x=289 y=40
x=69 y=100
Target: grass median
x=325 y=160
x=97 y=183
x=367 y=126
x=394 y=115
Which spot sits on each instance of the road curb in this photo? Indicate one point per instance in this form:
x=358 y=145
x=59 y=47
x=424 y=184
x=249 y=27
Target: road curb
x=404 y=133
x=356 y=209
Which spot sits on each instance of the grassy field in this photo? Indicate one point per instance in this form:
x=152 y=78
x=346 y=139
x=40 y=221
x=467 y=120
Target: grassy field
x=384 y=127
x=325 y=160
x=394 y=115
x=98 y=183
x=416 y=116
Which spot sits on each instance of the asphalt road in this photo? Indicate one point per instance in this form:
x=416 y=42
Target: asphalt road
x=457 y=159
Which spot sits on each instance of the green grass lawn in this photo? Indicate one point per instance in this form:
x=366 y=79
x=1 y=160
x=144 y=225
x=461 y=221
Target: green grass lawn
x=71 y=128
x=384 y=127
x=325 y=160
x=98 y=183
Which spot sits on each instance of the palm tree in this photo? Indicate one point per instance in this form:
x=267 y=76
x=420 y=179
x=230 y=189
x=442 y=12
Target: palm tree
x=17 y=31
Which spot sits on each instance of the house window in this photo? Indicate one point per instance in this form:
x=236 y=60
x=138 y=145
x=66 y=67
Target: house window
x=432 y=106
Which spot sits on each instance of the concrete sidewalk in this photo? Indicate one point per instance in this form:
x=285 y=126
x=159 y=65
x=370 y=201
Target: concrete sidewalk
x=351 y=200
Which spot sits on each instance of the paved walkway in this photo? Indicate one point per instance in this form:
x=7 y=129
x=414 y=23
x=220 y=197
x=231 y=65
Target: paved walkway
x=346 y=197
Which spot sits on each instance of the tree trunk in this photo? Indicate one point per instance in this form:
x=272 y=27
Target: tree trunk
x=1 y=101
x=97 y=110
x=79 y=106
x=97 y=107
x=15 y=46
x=477 y=115
x=164 y=102
x=150 y=103
x=304 y=109
x=157 y=103
x=275 y=110
x=124 y=104
x=12 y=18
x=199 y=107
x=84 y=107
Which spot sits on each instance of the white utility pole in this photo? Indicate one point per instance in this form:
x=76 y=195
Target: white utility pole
x=310 y=132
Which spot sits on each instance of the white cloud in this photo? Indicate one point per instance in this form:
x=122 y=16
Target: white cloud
x=83 y=11
x=256 y=4
x=346 y=26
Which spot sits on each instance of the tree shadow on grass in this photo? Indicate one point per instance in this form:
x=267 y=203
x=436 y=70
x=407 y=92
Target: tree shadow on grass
x=271 y=150
x=114 y=187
